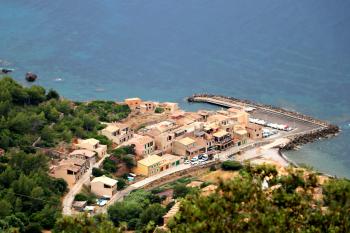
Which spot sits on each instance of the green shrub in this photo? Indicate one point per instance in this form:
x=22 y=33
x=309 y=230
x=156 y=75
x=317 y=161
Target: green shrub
x=159 y=110
x=80 y=197
x=231 y=166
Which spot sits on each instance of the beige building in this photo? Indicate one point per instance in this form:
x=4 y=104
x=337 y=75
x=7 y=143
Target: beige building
x=104 y=186
x=144 y=145
x=241 y=135
x=90 y=156
x=219 y=119
x=187 y=147
x=154 y=164
x=149 y=166
x=222 y=140
x=169 y=107
x=169 y=161
x=239 y=115
x=162 y=133
x=133 y=103
x=71 y=170
x=92 y=145
x=118 y=132
x=255 y=131
x=148 y=106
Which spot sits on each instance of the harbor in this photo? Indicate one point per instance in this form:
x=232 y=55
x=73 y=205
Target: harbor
x=304 y=129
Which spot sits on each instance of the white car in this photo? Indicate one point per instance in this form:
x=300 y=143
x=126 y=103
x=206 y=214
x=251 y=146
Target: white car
x=194 y=163
x=187 y=161
x=200 y=161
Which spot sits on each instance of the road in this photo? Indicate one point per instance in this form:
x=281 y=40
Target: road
x=85 y=179
x=222 y=156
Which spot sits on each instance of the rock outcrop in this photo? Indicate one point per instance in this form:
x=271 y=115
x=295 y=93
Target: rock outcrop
x=31 y=77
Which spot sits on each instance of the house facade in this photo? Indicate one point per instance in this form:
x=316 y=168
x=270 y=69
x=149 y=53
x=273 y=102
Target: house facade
x=187 y=147
x=118 y=132
x=92 y=145
x=104 y=186
x=88 y=155
x=144 y=145
x=71 y=170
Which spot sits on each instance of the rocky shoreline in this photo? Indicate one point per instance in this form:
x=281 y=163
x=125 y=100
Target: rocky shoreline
x=329 y=131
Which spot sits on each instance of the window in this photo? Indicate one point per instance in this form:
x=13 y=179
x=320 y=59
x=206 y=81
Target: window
x=106 y=186
x=69 y=172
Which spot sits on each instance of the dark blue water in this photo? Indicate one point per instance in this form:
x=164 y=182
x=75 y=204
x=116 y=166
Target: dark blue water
x=294 y=54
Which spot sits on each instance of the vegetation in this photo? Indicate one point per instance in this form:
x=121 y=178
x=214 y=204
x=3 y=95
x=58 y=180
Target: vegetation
x=242 y=205
x=86 y=195
x=83 y=223
x=31 y=117
x=231 y=166
x=28 y=113
x=159 y=110
x=29 y=198
x=140 y=210
x=106 y=111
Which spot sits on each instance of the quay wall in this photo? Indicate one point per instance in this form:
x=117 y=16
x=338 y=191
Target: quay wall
x=209 y=98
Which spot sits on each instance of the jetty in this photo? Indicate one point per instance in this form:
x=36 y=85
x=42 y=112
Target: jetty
x=306 y=128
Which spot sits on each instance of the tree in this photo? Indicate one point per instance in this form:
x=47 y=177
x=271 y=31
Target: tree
x=180 y=190
x=84 y=223
x=159 y=110
x=241 y=205
x=231 y=165
x=124 y=211
x=96 y=172
x=121 y=184
x=153 y=212
x=52 y=94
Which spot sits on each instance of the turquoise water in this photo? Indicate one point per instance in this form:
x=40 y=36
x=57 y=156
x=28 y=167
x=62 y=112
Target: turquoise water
x=294 y=54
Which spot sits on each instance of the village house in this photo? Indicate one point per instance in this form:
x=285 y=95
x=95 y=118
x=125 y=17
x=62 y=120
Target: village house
x=118 y=132
x=92 y=145
x=71 y=170
x=169 y=161
x=222 y=140
x=104 y=186
x=219 y=119
x=241 y=135
x=187 y=147
x=149 y=166
x=144 y=145
x=239 y=115
x=90 y=156
x=133 y=103
x=148 y=107
x=169 y=107
x=162 y=134
x=255 y=131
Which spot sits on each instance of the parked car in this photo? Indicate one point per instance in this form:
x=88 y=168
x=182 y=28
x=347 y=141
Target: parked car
x=200 y=161
x=195 y=158
x=194 y=162
x=187 y=161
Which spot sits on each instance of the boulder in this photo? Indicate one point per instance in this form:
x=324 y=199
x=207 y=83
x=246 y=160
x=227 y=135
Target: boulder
x=31 y=77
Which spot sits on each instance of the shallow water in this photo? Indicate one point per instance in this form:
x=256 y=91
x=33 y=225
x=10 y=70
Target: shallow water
x=287 y=53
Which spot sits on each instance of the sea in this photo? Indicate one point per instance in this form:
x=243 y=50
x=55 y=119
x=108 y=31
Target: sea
x=293 y=54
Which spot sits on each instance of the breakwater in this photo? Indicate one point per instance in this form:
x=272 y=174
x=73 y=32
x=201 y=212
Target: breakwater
x=308 y=137
x=320 y=129
x=219 y=100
